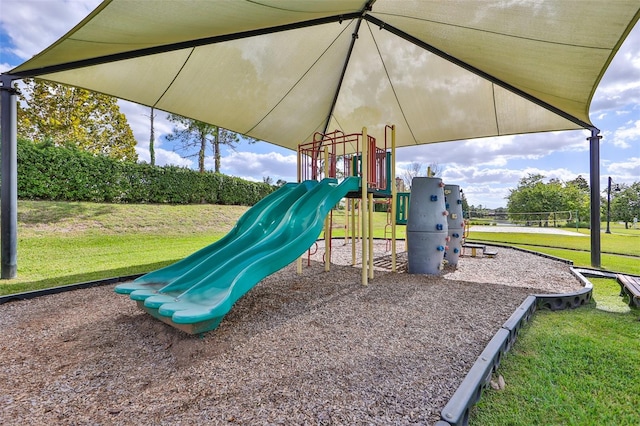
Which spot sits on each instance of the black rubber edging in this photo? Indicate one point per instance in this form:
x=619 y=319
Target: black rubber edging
x=560 y=301
x=61 y=289
x=456 y=411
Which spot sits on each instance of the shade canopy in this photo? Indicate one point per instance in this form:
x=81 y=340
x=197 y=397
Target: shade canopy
x=281 y=70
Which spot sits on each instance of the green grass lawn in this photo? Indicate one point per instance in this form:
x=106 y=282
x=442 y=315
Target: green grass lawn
x=67 y=243
x=620 y=250
x=574 y=367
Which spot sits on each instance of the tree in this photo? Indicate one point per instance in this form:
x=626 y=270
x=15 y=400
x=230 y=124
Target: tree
x=199 y=135
x=465 y=202
x=410 y=172
x=152 y=138
x=533 y=197
x=536 y=201
x=524 y=199
x=434 y=169
x=65 y=115
x=580 y=183
x=625 y=205
x=577 y=197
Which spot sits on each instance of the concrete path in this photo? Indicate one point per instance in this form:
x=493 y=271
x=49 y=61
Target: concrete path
x=525 y=229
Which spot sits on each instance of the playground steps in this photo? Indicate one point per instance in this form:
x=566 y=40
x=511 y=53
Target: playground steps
x=630 y=286
x=384 y=262
x=490 y=254
x=474 y=250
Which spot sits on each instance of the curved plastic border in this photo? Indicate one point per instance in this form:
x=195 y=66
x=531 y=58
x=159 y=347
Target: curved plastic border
x=556 y=302
x=456 y=411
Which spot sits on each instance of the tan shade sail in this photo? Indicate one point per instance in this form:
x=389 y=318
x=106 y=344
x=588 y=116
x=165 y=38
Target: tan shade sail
x=281 y=70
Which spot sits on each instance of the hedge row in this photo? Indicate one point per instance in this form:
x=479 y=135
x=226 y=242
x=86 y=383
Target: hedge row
x=68 y=174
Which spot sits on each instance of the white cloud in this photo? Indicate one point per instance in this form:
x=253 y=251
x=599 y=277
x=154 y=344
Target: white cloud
x=5 y=67
x=620 y=85
x=164 y=157
x=486 y=195
x=33 y=25
x=623 y=137
x=627 y=171
x=139 y=120
x=497 y=151
x=257 y=166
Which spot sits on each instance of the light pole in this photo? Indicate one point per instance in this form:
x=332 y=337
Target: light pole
x=617 y=188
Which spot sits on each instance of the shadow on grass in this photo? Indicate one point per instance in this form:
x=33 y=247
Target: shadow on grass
x=53 y=212
x=8 y=288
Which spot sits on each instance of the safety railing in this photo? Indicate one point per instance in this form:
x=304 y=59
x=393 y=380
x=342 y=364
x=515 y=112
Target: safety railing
x=338 y=155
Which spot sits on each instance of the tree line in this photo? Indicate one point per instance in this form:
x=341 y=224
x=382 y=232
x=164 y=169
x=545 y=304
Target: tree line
x=67 y=173
x=533 y=196
x=76 y=145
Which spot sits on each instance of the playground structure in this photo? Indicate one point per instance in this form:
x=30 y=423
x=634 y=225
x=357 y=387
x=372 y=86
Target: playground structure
x=338 y=154
x=196 y=293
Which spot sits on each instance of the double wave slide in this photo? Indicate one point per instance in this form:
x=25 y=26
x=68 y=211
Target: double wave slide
x=196 y=293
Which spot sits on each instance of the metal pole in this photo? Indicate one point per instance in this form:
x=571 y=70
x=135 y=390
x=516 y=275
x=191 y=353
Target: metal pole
x=354 y=230
x=608 y=231
x=594 y=173
x=327 y=220
x=299 y=173
x=364 y=182
x=9 y=188
x=394 y=197
x=370 y=233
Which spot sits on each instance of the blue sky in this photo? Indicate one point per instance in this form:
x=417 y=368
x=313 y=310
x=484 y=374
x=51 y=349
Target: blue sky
x=485 y=168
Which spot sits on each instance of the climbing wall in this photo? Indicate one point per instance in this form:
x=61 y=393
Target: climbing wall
x=426 y=226
x=455 y=222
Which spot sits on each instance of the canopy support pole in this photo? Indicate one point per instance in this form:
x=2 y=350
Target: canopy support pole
x=594 y=173
x=9 y=186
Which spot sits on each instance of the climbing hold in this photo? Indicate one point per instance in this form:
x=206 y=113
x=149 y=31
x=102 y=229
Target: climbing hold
x=454 y=216
x=440 y=248
x=459 y=201
x=455 y=235
x=434 y=198
x=445 y=213
x=439 y=227
x=456 y=250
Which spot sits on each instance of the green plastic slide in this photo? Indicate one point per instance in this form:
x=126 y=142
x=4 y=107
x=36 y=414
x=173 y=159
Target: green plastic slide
x=253 y=225
x=201 y=289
